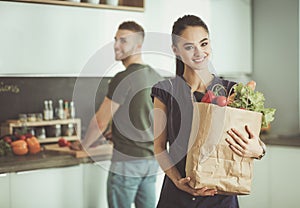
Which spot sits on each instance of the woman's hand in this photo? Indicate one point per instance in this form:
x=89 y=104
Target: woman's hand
x=182 y=184
x=163 y=157
x=244 y=147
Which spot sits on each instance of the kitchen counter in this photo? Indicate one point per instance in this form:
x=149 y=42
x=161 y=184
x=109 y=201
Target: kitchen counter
x=42 y=160
x=45 y=159
x=292 y=140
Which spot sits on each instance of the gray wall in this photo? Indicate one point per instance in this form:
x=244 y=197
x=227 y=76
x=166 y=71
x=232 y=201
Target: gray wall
x=27 y=94
x=276 y=68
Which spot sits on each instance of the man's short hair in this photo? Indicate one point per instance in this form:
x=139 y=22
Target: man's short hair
x=132 y=26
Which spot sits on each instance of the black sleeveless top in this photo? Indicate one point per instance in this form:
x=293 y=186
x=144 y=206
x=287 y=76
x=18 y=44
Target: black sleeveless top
x=176 y=95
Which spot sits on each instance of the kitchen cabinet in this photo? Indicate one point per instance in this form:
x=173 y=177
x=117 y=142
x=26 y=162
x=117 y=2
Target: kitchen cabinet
x=5 y=190
x=131 y=5
x=47 y=188
x=11 y=126
x=231 y=36
x=276 y=179
x=259 y=196
x=58 y=41
x=284 y=175
x=95 y=177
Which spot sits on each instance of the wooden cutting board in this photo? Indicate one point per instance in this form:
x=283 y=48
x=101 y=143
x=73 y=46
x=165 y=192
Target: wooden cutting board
x=103 y=149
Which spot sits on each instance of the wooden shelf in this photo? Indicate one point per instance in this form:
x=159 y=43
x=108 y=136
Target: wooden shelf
x=122 y=6
x=9 y=126
x=17 y=123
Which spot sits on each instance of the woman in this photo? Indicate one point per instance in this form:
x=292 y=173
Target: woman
x=173 y=118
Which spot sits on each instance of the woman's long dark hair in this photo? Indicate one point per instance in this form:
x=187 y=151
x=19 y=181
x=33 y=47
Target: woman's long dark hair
x=179 y=26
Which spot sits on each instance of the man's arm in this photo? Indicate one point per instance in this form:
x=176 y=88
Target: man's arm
x=100 y=121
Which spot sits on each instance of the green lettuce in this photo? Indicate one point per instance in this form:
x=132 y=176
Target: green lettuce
x=248 y=99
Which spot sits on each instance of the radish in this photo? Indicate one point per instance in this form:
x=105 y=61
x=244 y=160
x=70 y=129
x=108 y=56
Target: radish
x=208 y=97
x=220 y=101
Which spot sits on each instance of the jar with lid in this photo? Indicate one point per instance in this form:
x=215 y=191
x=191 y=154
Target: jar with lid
x=31 y=117
x=39 y=116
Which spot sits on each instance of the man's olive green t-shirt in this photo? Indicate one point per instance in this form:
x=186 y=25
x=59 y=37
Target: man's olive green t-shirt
x=132 y=125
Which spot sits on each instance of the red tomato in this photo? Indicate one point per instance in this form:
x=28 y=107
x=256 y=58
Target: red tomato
x=22 y=137
x=208 y=97
x=220 y=101
x=63 y=142
x=28 y=135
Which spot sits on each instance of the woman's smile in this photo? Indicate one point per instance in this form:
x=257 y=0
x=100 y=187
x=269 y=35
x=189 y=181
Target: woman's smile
x=199 y=60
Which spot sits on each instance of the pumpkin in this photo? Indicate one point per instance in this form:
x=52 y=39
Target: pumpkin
x=19 y=147
x=33 y=145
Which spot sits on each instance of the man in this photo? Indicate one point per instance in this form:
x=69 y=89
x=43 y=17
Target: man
x=128 y=104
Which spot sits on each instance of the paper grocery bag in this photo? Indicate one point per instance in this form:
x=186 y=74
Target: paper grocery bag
x=210 y=161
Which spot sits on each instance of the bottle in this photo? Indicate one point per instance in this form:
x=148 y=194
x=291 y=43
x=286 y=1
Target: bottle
x=60 y=111
x=50 y=110
x=66 y=110
x=57 y=130
x=46 y=110
x=72 y=109
x=41 y=133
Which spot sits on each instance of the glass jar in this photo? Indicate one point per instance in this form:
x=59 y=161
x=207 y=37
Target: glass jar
x=53 y=131
x=22 y=118
x=41 y=133
x=39 y=116
x=31 y=131
x=68 y=130
x=31 y=117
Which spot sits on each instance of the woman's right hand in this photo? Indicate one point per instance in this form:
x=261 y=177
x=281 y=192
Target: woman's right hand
x=183 y=185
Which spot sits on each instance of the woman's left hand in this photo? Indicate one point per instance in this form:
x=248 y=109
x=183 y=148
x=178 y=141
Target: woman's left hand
x=244 y=147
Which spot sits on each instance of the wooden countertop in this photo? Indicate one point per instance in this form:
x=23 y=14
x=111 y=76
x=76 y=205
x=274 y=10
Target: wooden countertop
x=42 y=160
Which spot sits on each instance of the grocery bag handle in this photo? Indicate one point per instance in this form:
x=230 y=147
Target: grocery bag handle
x=232 y=88
x=217 y=87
